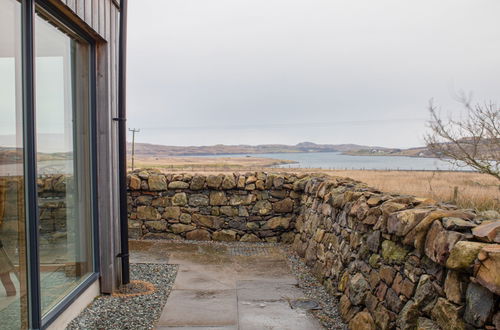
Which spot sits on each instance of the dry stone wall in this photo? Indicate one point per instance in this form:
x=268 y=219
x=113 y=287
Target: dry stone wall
x=400 y=262
x=394 y=261
x=52 y=205
x=249 y=207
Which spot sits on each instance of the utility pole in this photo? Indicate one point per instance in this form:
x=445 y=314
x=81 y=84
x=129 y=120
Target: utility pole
x=133 y=130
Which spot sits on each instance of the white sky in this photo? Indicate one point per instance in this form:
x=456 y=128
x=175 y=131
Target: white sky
x=285 y=71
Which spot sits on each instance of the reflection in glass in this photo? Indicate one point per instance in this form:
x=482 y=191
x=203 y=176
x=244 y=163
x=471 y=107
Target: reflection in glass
x=63 y=166
x=12 y=253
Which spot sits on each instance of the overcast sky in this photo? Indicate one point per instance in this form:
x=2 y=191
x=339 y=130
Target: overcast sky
x=203 y=72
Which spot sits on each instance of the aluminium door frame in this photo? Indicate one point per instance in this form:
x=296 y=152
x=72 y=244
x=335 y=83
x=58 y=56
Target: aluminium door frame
x=35 y=319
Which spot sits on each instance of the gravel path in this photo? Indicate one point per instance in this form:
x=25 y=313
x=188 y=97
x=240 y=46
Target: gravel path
x=139 y=312
x=328 y=315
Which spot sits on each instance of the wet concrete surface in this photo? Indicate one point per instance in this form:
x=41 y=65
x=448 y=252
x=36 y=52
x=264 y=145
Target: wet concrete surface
x=223 y=286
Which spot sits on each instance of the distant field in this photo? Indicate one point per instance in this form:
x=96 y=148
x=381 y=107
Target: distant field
x=474 y=190
x=479 y=191
x=206 y=163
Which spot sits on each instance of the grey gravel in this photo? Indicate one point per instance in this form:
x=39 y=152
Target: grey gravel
x=328 y=315
x=139 y=312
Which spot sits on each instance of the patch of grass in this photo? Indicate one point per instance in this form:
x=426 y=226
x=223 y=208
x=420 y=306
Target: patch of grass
x=474 y=190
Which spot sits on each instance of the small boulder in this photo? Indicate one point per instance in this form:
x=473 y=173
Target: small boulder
x=454 y=287
x=197 y=182
x=157 y=182
x=400 y=223
x=135 y=182
x=228 y=182
x=262 y=207
x=198 y=200
x=488 y=272
x=358 y=288
x=179 y=199
x=214 y=181
x=277 y=223
x=480 y=304
x=207 y=221
x=226 y=235
x=198 y=235
x=181 y=228
x=147 y=213
x=172 y=213
x=283 y=206
x=178 y=185
x=463 y=254
x=393 y=252
x=452 y=223
x=218 y=198
x=157 y=226
x=362 y=321
x=424 y=323
x=488 y=232
x=250 y=238
x=447 y=315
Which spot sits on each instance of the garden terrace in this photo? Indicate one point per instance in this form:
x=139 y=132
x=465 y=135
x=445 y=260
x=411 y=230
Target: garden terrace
x=394 y=260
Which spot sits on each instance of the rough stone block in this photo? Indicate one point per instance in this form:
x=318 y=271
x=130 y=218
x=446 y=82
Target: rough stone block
x=393 y=252
x=147 y=213
x=463 y=254
x=178 y=185
x=480 y=304
x=157 y=182
x=447 y=315
x=400 y=223
x=488 y=232
x=488 y=272
x=362 y=321
x=226 y=235
x=198 y=200
x=198 y=235
x=179 y=199
x=172 y=213
x=218 y=198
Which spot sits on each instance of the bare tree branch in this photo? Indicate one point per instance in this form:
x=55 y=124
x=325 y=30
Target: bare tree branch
x=472 y=141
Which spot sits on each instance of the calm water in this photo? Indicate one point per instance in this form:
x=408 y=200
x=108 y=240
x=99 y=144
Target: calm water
x=335 y=160
x=325 y=160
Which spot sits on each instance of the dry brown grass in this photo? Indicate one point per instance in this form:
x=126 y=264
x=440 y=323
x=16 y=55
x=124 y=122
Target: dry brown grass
x=187 y=163
x=478 y=191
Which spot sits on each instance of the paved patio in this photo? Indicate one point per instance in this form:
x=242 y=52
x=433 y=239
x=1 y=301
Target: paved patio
x=218 y=286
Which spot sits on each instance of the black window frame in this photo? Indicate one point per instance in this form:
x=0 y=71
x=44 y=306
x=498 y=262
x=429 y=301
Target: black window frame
x=28 y=8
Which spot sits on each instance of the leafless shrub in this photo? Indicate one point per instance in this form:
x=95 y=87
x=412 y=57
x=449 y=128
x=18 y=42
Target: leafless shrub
x=472 y=141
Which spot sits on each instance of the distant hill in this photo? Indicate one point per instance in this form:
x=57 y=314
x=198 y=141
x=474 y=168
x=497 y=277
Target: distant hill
x=15 y=156
x=410 y=152
x=156 y=150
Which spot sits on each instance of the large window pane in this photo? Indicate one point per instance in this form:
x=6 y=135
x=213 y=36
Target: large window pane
x=12 y=240
x=63 y=146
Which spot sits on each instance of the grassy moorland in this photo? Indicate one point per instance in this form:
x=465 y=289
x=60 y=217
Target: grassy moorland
x=474 y=190
x=188 y=164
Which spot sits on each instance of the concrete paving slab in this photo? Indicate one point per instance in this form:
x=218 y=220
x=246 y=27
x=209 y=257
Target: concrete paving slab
x=272 y=270
x=203 y=277
x=264 y=290
x=228 y=287
x=195 y=308
x=276 y=315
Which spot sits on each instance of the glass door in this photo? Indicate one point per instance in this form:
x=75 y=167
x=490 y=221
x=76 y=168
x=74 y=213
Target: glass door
x=62 y=62
x=52 y=205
